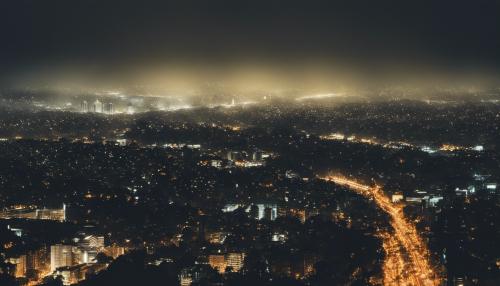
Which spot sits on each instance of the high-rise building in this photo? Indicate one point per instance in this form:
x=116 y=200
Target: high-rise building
x=20 y=265
x=109 y=108
x=84 y=106
x=130 y=109
x=37 y=263
x=217 y=261
x=60 y=255
x=270 y=214
x=235 y=260
x=97 y=106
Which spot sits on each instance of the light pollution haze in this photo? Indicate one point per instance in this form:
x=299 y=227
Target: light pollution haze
x=249 y=45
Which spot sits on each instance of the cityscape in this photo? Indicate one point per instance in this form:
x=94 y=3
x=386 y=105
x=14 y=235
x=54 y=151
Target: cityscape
x=231 y=143
x=291 y=194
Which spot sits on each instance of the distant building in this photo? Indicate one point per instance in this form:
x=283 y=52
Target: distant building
x=234 y=260
x=491 y=187
x=218 y=262
x=478 y=148
x=192 y=274
x=264 y=211
x=396 y=198
x=121 y=142
x=60 y=256
x=32 y=265
x=289 y=174
x=17 y=231
x=231 y=207
x=52 y=214
x=269 y=214
x=130 y=109
x=92 y=241
x=76 y=273
x=97 y=106
x=37 y=263
x=20 y=265
x=114 y=251
x=186 y=278
x=267 y=211
x=217 y=237
x=432 y=201
x=234 y=156
x=87 y=248
x=257 y=156
x=70 y=274
x=109 y=108
x=278 y=237
x=298 y=213
x=216 y=163
x=84 y=107
x=413 y=200
x=28 y=212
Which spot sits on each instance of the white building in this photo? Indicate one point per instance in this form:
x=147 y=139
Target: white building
x=97 y=107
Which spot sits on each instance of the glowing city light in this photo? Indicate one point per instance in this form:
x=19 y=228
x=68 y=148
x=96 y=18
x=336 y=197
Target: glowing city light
x=404 y=240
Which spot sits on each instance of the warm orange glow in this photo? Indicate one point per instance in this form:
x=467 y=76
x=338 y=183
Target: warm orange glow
x=398 y=270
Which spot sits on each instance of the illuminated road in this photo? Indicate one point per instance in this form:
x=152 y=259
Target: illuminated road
x=407 y=256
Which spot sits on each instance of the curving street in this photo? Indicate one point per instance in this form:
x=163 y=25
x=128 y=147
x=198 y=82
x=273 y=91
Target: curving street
x=407 y=256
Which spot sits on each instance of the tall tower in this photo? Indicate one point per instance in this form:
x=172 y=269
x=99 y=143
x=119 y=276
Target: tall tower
x=84 y=106
x=60 y=255
x=98 y=106
x=110 y=109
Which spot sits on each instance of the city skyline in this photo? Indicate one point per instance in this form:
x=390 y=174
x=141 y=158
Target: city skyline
x=235 y=143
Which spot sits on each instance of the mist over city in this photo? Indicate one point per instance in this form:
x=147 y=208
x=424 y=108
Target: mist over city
x=252 y=143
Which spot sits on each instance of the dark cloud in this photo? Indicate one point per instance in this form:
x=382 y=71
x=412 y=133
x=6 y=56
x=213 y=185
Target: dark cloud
x=124 y=34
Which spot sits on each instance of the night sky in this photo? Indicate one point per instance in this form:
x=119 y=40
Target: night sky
x=114 y=36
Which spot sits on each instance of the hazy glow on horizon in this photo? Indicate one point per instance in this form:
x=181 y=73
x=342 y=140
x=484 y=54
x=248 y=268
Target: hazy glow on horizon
x=302 y=82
